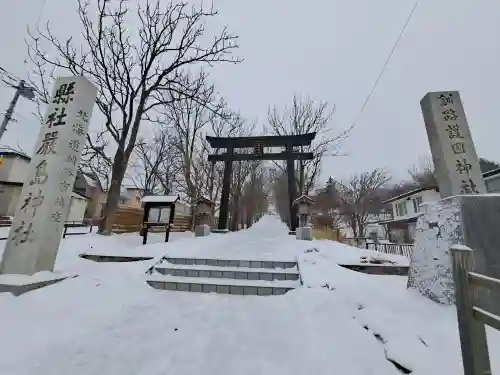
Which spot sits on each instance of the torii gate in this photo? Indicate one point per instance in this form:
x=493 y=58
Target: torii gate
x=258 y=143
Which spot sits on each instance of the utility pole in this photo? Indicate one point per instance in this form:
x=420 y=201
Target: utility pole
x=21 y=90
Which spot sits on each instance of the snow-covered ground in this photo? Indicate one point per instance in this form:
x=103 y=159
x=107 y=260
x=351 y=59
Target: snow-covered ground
x=108 y=321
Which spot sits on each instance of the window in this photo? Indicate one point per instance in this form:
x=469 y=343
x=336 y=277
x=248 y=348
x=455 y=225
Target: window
x=401 y=209
x=416 y=202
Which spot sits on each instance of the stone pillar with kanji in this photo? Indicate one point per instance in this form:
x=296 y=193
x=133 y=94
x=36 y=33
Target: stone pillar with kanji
x=304 y=206
x=464 y=215
x=203 y=217
x=45 y=199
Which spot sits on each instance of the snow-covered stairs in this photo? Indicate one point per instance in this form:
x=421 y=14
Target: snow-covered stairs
x=241 y=277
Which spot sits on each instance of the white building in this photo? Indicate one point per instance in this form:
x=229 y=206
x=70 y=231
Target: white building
x=372 y=225
x=405 y=208
x=13 y=172
x=492 y=181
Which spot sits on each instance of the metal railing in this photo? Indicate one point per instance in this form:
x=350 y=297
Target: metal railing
x=471 y=318
x=391 y=248
x=70 y=224
x=76 y=224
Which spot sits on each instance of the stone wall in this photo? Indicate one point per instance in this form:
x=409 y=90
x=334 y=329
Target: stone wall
x=438 y=227
x=471 y=220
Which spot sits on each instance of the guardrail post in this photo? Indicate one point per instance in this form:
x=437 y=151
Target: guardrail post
x=473 y=342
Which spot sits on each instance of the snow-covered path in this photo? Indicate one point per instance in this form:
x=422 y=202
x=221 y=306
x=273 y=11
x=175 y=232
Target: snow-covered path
x=108 y=321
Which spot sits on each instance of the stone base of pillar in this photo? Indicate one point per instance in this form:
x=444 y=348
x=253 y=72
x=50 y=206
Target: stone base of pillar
x=471 y=220
x=20 y=284
x=202 y=230
x=304 y=233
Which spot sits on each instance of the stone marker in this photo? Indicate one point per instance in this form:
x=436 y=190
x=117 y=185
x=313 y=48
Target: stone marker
x=304 y=230
x=45 y=200
x=463 y=216
x=455 y=160
x=203 y=217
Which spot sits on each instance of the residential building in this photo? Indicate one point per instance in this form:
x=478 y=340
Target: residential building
x=131 y=197
x=97 y=195
x=406 y=208
x=372 y=226
x=492 y=181
x=13 y=173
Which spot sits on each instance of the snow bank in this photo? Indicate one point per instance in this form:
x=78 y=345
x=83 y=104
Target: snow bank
x=108 y=321
x=38 y=277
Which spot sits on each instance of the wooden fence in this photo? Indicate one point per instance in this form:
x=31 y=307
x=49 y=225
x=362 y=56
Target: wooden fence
x=471 y=318
x=129 y=219
x=391 y=248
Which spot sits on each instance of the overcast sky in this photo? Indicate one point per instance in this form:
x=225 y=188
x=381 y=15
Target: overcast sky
x=330 y=50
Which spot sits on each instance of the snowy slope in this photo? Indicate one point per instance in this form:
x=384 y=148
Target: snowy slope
x=108 y=321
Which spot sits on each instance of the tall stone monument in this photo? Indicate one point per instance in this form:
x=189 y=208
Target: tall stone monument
x=45 y=200
x=455 y=160
x=464 y=215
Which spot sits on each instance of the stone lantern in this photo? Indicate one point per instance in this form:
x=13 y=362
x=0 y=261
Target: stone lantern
x=304 y=209
x=203 y=217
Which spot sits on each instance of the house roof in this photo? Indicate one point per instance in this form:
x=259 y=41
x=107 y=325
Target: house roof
x=410 y=193
x=160 y=199
x=202 y=199
x=486 y=175
x=399 y=220
x=20 y=184
x=304 y=199
x=80 y=194
x=491 y=173
x=4 y=152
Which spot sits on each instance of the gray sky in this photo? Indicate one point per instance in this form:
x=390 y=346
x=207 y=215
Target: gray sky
x=330 y=50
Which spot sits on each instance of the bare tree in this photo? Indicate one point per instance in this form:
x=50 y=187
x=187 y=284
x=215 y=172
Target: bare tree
x=359 y=198
x=95 y=162
x=134 y=77
x=307 y=116
x=243 y=172
x=253 y=202
x=229 y=125
x=279 y=184
x=188 y=118
x=423 y=174
x=155 y=164
x=326 y=204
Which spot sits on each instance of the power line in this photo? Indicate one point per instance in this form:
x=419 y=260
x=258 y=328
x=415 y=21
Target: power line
x=370 y=94
x=26 y=119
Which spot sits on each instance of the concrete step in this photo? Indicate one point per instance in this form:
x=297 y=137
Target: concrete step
x=232 y=263
x=222 y=286
x=239 y=273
